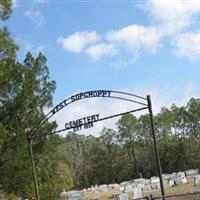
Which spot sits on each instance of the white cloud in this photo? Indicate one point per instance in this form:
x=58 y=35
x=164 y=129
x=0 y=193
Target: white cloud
x=78 y=41
x=35 y=16
x=168 y=20
x=175 y=15
x=188 y=45
x=96 y=52
x=135 y=37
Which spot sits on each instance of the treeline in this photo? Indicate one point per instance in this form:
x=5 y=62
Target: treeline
x=78 y=161
x=127 y=153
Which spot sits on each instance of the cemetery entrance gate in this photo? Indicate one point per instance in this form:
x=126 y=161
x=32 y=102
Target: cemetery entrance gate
x=88 y=122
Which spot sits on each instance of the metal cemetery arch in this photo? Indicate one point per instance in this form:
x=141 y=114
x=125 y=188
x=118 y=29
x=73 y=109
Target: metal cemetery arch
x=87 y=122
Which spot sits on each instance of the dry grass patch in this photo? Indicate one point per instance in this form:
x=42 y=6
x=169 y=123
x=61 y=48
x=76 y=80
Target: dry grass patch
x=178 y=189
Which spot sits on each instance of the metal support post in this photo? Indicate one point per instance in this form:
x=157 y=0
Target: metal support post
x=155 y=146
x=29 y=139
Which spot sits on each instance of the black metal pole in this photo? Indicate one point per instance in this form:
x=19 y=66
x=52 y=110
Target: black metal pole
x=29 y=139
x=155 y=146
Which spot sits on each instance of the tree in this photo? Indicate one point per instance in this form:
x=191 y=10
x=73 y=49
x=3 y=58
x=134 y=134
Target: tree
x=108 y=139
x=193 y=117
x=128 y=135
x=54 y=172
x=6 y=9
x=25 y=92
x=22 y=107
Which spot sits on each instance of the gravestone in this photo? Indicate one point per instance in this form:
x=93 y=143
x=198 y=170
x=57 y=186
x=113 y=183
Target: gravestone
x=196 y=180
x=146 y=188
x=73 y=195
x=139 y=180
x=115 y=185
x=137 y=190
x=191 y=172
x=155 y=180
x=123 y=196
x=128 y=188
x=111 y=186
x=181 y=174
x=169 y=176
x=171 y=183
x=155 y=186
x=180 y=180
x=184 y=180
x=121 y=188
x=103 y=188
x=94 y=188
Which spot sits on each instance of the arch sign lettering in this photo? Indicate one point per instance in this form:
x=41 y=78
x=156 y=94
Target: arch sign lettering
x=88 y=121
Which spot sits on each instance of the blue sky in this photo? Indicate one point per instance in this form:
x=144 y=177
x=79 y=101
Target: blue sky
x=145 y=47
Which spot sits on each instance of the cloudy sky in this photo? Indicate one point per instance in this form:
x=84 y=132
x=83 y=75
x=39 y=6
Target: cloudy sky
x=144 y=47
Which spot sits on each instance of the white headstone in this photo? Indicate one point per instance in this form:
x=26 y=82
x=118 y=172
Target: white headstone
x=180 y=180
x=128 y=188
x=115 y=185
x=146 y=188
x=184 y=180
x=171 y=183
x=191 y=172
x=137 y=190
x=123 y=196
x=103 y=188
x=73 y=195
x=181 y=174
x=155 y=186
x=155 y=180
x=197 y=180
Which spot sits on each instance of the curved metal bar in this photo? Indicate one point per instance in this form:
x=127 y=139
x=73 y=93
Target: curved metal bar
x=117 y=115
x=64 y=103
x=130 y=94
x=125 y=99
x=57 y=105
x=46 y=118
x=114 y=97
x=104 y=118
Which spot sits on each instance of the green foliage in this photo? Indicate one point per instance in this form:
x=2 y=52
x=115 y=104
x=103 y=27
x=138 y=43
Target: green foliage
x=128 y=152
x=25 y=92
x=7 y=47
x=54 y=172
x=5 y=9
x=12 y=197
